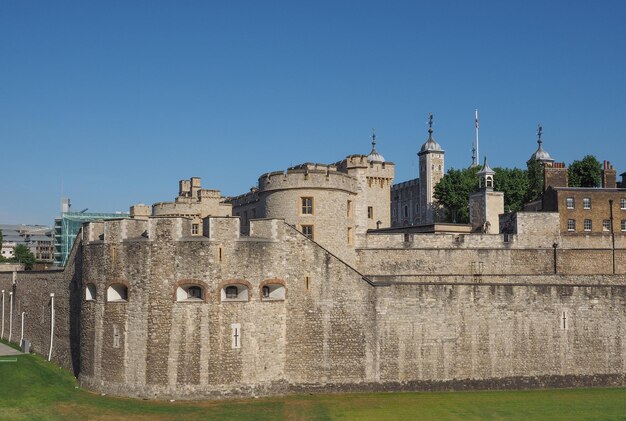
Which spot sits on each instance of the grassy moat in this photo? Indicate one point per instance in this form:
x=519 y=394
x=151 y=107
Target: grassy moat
x=33 y=389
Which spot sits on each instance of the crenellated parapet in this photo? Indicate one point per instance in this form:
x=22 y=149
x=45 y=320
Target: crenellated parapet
x=351 y=162
x=245 y=199
x=272 y=229
x=164 y=229
x=307 y=176
x=114 y=231
x=221 y=228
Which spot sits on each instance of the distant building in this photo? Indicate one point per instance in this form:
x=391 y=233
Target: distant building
x=67 y=226
x=37 y=238
x=582 y=210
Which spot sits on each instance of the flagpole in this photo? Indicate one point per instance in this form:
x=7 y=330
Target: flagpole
x=477 y=153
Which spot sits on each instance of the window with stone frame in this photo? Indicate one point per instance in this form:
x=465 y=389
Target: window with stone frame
x=571 y=225
x=406 y=211
x=349 y=209
x=90 y=292
x=117 y=293
x=606 y=225
x=623 y=225
x=569 y=202
x=587 y=203
x=587 y=225
x=194 y=229
x=350 y=236
x=370 y=212
x=307 y=230
x=234 y=292
x=622 y=203
x=306 y=205
x=189 y=292
x=273 y=292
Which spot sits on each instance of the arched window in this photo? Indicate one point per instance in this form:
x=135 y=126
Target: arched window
x=90 y=292
x=190 y=292
x=234 y=292
x=117 y=293
x=272 y=292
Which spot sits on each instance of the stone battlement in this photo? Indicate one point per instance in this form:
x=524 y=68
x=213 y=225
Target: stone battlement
x=353 y=162
x=156 y=229
x=309 y=176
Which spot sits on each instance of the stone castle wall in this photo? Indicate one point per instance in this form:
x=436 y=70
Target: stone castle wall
x=399 y=327
x=335 y=330
x=31 y=295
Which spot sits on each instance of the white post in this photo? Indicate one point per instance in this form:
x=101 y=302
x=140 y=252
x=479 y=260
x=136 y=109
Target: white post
x=10 y=315
x=2 y=335
x=51 y=325
x=22 y=338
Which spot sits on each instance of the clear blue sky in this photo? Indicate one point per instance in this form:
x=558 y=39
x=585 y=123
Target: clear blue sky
x=110 y=103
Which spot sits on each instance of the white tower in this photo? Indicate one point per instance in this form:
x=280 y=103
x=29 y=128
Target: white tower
x=431 y=159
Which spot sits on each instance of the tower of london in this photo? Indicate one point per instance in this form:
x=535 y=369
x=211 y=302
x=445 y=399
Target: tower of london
x=328 y=277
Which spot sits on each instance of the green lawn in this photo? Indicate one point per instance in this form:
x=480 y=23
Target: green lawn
x=33 y=389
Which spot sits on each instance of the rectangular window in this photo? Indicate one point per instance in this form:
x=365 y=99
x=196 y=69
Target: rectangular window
x=350 y=235
x=606 y=225
x=571 y=225
x=623 y=224
x=307 y=230
x=570 y=202
x=349 y=209
x=586 y=203
x=622 y=203
x=587 y=225
x=406 y=211
x=370 y=212
x=307 y=205
x=194 y=229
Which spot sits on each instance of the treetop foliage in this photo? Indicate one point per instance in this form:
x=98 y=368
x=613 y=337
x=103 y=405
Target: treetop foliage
x=586 y=172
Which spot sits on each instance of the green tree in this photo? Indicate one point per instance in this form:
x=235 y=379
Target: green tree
x=513 y=182
x=585 y=173
x=22 y=254
x=452 y=193
x=534 y=174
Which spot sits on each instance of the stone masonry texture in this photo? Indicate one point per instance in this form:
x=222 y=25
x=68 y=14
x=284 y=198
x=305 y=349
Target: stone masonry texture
x=438 y=312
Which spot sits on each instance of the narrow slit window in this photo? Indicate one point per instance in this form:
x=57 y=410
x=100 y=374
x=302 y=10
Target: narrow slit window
x=236 y=336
